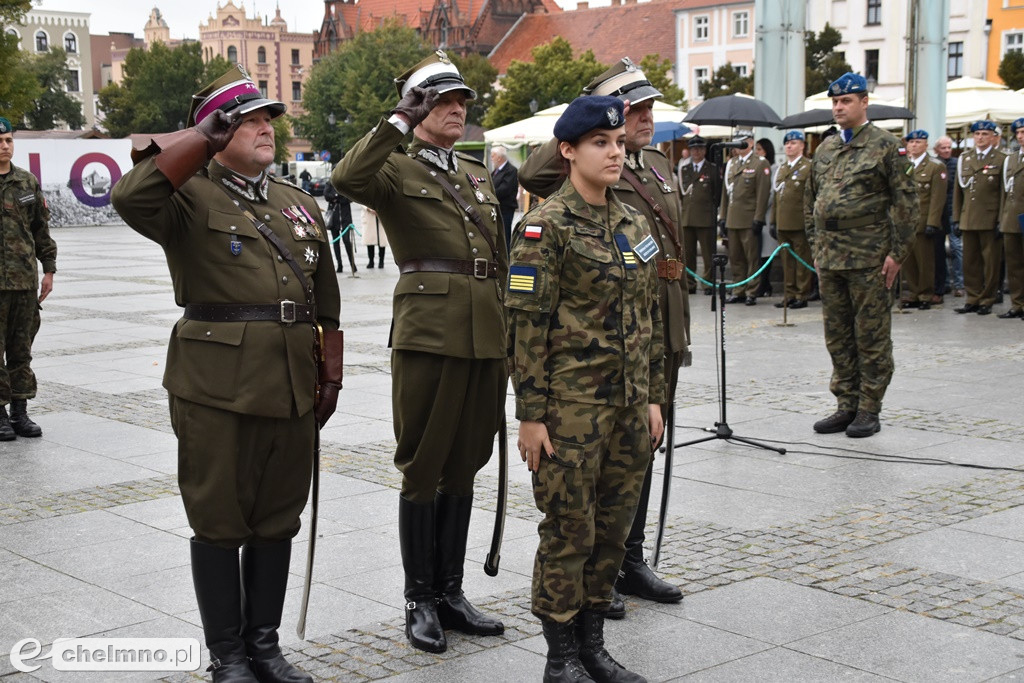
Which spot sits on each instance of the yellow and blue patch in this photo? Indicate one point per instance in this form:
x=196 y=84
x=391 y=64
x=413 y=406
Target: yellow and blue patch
x=628 y=257
x=522 y=279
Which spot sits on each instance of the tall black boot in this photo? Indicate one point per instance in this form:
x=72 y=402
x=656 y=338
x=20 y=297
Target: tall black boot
x=454 y=610
x=380 y=261
x=635 y=577
x=218 y=586
x=265 y=579
x=369 y=251
x=563 y=665
x=416 y=538
x=6 y=431
x=20 y=421
x=595 y=658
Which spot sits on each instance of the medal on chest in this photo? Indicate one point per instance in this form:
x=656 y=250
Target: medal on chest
x=475 y=182
x=664 y=183
x=236 y=246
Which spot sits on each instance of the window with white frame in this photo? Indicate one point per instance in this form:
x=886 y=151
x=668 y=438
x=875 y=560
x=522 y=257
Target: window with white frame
x=70 y=43
x=700 y=75
x=740 y=24
x=741 y=70
x=1013 y=41
x=42 y=41
x=232 y=54
x=73 y=81
x=955 y=65
x=701 y=26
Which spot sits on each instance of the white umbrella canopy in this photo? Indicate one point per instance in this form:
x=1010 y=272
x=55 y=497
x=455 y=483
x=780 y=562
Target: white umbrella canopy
x=971 y=99
x=540 y=127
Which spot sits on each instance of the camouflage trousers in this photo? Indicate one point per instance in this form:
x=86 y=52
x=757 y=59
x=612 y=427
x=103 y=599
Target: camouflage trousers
x=588 y=493
x=858 y=335
x=19 y=322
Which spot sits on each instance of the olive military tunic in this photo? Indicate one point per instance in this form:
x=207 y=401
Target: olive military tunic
x=977 y=189
x=448 y=329
x=701 y=194
x=919 y=268
x=788 y=185
x=1010 y=226
x=745 y=189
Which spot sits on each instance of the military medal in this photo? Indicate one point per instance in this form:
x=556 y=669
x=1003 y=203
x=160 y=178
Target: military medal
x=311 y=256
x=236 y=246
x=476 y=187
x=664 y=184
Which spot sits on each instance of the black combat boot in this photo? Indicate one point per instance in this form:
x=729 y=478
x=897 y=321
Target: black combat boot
x=635 y=577
x=617 y=608
x=865 y=424
x=453 y=609
x=836 y=422
x=596 y=660
x=369 y=251
x=416 y=538
x=218 y=586
x=563 y=665
x=23 y=426
x=6 y=431
x=380 y=262
x=265 y=579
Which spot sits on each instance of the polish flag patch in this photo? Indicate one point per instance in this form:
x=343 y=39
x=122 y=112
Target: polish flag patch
x=532 y=232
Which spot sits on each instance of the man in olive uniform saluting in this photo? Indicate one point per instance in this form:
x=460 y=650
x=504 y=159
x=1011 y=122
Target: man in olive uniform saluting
x=745 y=191
x=1011 y=223
x=930 y=180
x=788 y=185
x=648 y=185
x=860 y=208
x=701 y=186
x=25 y=229
x=448 y=364
x=240 y=366
x=976 y=194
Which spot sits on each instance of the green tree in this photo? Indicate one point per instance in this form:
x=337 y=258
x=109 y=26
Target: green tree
x=157 y=88
x=656 y=71
x=479 y=75
x=551 y=78
x=726 y=81
x=355 y=86
x=18 y=89
x=822 y=62
x=1011 y=70
x=282 y=136
x=50 y=70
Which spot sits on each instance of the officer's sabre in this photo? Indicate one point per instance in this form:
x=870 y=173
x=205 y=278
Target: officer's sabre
x=300 y=629
x=666 y=484
x=494 y=556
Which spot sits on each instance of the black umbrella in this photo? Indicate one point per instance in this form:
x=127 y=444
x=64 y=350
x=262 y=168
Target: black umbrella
x=733 y=110
x=823 y=117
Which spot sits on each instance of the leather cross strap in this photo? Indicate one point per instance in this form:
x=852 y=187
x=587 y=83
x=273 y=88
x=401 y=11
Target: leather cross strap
x=479 y=268
x=656 y=207
x=285 y=312
x=468 y=208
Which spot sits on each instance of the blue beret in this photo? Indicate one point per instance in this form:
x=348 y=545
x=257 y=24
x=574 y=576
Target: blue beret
x=793 y=135
x=848 y=84
x=587 y=113
x=918 y=134
x=1018 y=123
x=5 y=126
x=983 y=125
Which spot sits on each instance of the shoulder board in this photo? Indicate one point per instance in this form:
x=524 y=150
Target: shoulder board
x=654 y=151
x=468 y=157
x=282 y=181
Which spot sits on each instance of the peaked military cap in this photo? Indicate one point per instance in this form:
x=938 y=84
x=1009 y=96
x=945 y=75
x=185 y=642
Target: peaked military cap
x=744 y=134
x=983 y=125
x=624 y=80
x=232 y=93
x=436 y=71
x=918 y=134
x=1017 y=123
x=5 y=126
x=585 y=114
x=697 y=141
x=793 y=135
x=848 y=84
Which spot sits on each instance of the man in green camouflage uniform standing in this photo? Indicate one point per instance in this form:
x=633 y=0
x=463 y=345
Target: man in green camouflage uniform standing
x=860 y=208
x=788 y=185
x=26 y=239
x=745 y=191
x=588 y=372
x=1013 y=209
x=930 y=181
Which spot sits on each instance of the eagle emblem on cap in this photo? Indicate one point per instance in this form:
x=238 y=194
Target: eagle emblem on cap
x=630 y=66
x=442 y=56
x=613 y=116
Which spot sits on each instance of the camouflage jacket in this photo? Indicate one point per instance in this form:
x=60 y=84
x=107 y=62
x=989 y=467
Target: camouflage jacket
x=859 y=203
x=25 y=223
x=585 y=323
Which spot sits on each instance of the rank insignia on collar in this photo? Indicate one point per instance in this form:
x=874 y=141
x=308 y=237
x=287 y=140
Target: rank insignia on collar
x=236 y=247
x=522 y=279
x=646 y=249
x=311 y=256
x=628 y=257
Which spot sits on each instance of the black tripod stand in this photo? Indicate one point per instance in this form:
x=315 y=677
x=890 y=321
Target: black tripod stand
x=722 y=430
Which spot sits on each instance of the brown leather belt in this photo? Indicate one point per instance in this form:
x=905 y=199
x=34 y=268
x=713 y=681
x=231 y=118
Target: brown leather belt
x=285 y=312
x=479 y=268
x=671 y=269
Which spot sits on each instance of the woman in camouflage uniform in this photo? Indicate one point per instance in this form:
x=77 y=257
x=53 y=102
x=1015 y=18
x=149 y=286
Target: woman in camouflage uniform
x=588 y=371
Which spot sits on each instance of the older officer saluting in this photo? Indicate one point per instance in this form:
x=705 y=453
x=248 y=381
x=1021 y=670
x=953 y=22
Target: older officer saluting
x=860 y=208
x=240 y=366
x=449 y=359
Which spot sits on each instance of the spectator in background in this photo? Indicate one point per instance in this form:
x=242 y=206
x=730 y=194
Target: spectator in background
x=953 y=279
x=306 y=179
x=506 y=188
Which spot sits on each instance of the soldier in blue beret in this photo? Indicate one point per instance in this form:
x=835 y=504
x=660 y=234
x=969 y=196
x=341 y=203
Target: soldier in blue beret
x=917 y=135
x=985 y=125
x=793 y=135
x=930 y=182
x=848 y=84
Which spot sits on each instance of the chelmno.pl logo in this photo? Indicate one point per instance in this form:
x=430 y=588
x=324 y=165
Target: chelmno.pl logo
x=109 y=654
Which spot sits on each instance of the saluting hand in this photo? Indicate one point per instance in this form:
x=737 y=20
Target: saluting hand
x=533 y=438
x=218 y=128
x=416 y=105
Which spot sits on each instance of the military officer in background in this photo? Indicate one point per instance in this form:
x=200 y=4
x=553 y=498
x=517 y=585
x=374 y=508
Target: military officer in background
x=25 y=228
x=788 y=220
x=1011 y=223
x=976 y=194
x=647 y=185
x=860 y=208
x=700 y=184
x=745 y=189
x=449 y=359
x=930 y=180
x=240 y=366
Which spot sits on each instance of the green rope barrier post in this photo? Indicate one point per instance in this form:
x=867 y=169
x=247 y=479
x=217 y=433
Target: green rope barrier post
x=785 y=302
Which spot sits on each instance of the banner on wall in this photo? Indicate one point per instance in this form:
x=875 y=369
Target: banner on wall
x=76 y=176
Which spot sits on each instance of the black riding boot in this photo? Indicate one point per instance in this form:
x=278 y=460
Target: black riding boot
x=380 y=261
x=563 y=665
x=20 y=421
x=595 y=658
x=265 y=579
x=369 y=251
x=635 y=577
x=454 y=610
x=217 y=581
x=416 y=538
x=6 y=430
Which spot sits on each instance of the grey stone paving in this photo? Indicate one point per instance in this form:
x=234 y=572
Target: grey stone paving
x=815 y=565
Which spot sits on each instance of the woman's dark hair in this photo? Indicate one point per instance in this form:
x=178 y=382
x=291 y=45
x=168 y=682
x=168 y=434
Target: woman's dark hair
x=769 y=150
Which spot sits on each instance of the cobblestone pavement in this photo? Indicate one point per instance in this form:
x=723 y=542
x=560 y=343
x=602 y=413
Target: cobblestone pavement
x=878 y=562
